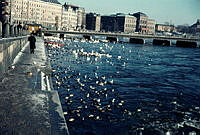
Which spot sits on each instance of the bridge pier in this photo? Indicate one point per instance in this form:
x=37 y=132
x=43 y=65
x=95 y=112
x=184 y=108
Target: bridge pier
x=112 y=39
x=187 y=44
x=62 y=36
x=87 y=37
x=161 y=42
x=136 y=41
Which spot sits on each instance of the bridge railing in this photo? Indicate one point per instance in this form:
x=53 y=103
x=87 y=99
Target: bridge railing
x=120 y=34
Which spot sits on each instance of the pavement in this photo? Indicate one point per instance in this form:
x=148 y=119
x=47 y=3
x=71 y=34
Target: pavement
x=28 y=103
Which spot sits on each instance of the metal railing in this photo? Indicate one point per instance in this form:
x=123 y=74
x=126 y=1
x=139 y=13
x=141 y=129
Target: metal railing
x=12 y=31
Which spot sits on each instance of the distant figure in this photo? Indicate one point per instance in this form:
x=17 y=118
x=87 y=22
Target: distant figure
x=19 y=29
x=32 y=41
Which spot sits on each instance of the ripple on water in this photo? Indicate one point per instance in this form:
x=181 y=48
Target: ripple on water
x=127 y=89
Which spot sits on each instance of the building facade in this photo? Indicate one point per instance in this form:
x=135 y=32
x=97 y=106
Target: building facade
x=151 y=26
x=73 y=17
x=141 y=23
x=144 y=25
x=93 y=21
x=118 y=23
x=81 y=18
x=69 y=17
x=108 y=24
x=165 y=28
x=48 y=13
x=126 y=23
x=195 y=28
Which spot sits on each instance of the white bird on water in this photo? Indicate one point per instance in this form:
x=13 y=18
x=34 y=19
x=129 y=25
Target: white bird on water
x=119 y=57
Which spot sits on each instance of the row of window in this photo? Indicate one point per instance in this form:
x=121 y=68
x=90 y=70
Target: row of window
x=130 y=25
x=38 y=12
x=32 y=4
x=130 y=21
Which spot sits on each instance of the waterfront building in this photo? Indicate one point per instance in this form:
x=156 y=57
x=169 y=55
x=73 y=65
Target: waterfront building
x=69 y=17
x=151 y=26
x=81 y=18
x=183 y=28
x=197 y=24
x=190 y=29
x=48 y=13
x=45 y=12
x=141 y=23
x=126 y=23
x=73 y=17
x=165 y=28
x=118 y=23
x=195 y=28
x=108 y=23
x=93 y=21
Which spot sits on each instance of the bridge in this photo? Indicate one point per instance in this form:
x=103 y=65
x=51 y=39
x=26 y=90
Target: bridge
x=134 y=38
x=131 y=35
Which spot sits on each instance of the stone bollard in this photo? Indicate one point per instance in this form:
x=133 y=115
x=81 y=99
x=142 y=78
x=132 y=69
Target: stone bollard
x=19 y=29
x=5 y=30
x=15 y=31
x=12 y=31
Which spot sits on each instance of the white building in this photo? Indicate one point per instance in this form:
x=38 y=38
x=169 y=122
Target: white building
x=36 y=11
x=73 y=17
x=48 y=13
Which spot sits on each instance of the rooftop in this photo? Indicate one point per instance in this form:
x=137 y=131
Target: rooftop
x=52 y=1
x=197 y=24
x=70 y=5
x=170 y=25
x=140 y=13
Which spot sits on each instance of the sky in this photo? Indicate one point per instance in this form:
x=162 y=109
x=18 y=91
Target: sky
x=176 y=12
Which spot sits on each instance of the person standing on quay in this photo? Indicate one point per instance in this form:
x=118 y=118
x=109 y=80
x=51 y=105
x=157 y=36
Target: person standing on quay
x=32 y=41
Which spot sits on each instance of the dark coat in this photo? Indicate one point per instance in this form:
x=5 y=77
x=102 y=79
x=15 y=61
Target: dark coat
x=32 y=41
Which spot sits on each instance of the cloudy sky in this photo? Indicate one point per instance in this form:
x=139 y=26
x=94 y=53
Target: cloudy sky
x=174 y=11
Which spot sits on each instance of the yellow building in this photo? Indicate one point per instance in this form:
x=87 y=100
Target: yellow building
x=165 y=28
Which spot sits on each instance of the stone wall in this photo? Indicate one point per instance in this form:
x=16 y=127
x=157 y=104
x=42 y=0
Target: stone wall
x=9 y=48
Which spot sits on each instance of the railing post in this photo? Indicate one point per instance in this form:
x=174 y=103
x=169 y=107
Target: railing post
x=12 y=31
x=5 y=30
x=4 y=13
x=15 y=30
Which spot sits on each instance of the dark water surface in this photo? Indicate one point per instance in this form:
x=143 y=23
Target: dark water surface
x=128 y=89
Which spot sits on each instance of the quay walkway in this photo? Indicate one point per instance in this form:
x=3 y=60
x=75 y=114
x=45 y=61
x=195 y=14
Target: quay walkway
x=28 y=103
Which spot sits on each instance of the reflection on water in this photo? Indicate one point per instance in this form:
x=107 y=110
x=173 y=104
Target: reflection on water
x=128 y=89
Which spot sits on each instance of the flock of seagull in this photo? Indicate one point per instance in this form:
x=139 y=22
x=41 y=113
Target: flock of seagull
x=87 y=95
x=87 y=91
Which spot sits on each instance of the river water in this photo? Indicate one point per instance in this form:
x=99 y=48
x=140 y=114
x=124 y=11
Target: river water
x=127 y=89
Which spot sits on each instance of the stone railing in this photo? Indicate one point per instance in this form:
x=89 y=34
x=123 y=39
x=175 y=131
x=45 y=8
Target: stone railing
x=9 y=48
